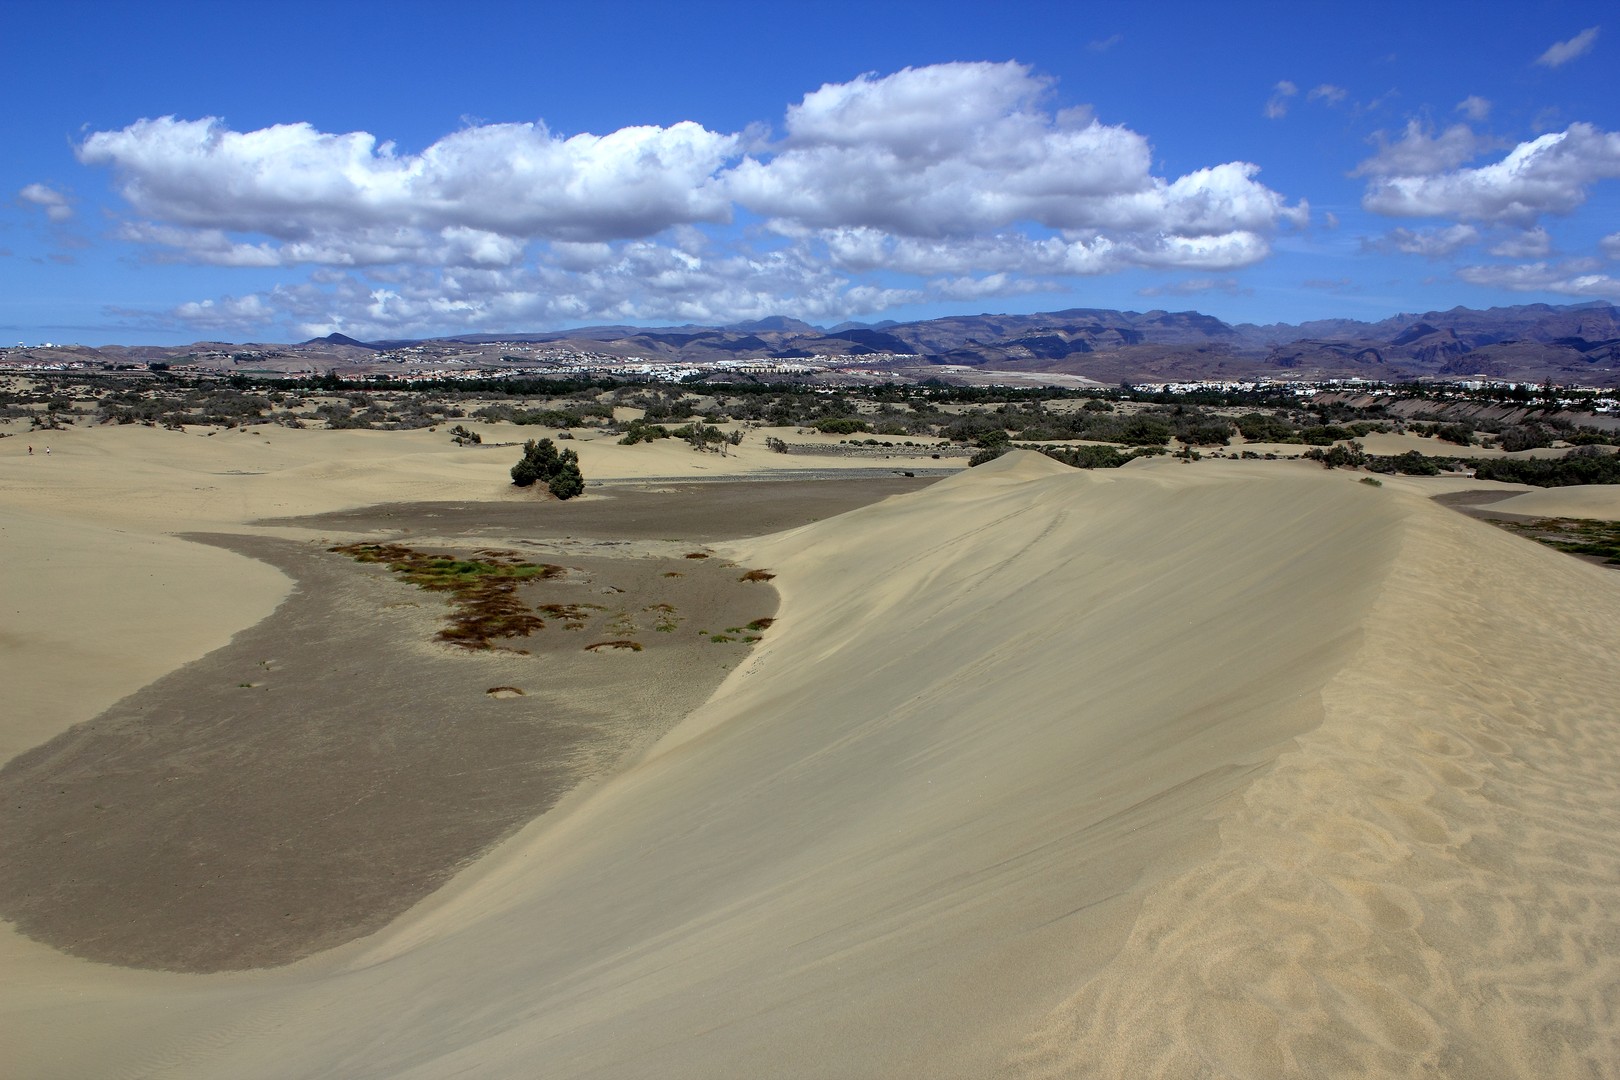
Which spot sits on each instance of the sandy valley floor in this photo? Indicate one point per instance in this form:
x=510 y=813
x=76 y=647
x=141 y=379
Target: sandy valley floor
x=1238 y=768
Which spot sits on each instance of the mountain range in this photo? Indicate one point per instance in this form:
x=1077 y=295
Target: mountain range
x=1530 y=342
x=1569 y=344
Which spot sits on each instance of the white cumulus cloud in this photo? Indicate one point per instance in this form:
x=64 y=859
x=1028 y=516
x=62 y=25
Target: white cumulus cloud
x=1577 y=278
x=1562 y=52
x=966 y=178
x=1548 y=175
x=293 y=183
x=1420 y=152
x=1430 y=243
x=1277 y=104
x=227 y=313
x=1528 y=244
x=961 y=152
x=56 y=206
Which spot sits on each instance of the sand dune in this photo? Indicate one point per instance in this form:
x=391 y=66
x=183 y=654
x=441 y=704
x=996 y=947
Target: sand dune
x=103 y=595
x=1578 y=501
x=1391 y=443
x=1232 y=769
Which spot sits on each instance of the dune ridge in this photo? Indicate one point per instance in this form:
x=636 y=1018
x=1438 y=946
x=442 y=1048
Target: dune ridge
x=1423 y=885
x=1170 y=771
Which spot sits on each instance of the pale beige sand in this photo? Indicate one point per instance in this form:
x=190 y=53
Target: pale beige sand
x=1601 y=501
x=1226 y=769
x=1424 y=885
x=99 y=597
x=90 y=612
x=1391 y=444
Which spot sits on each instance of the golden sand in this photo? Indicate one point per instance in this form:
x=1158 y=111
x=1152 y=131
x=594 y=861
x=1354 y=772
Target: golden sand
x=1228 y=769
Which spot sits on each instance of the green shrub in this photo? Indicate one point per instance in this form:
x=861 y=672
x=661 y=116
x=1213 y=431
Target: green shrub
x=1324 y=434
x=700 y=435
x=1088 y=457
x=1461 y=434
x=639 y=431
x=1204 y=432
x=1586 y=465
x=1336 y=456
x=541 y=463
x=1258 y=427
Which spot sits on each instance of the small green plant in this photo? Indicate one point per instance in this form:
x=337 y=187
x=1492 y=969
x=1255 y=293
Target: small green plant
x=1372 y=481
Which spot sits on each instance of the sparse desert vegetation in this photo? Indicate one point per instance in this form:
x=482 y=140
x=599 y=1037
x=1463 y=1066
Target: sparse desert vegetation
x=483 y=591
x=1577 y=536
x=1084 y=428
x=560 y=637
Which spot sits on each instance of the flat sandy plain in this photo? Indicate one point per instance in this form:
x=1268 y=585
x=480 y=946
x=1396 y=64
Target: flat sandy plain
x=1237 y=768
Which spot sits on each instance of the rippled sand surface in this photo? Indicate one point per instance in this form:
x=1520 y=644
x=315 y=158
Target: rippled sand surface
x=1230 y=769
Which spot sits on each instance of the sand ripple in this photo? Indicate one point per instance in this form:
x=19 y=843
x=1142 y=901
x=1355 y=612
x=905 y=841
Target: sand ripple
x=1425 y=886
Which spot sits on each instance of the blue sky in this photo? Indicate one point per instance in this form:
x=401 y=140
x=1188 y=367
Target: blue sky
x=186 y=171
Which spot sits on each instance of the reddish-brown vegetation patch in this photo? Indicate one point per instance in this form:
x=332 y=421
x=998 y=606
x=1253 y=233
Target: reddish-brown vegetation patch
x=483 y=591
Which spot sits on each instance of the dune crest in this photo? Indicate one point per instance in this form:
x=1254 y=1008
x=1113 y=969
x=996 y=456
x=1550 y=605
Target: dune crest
x=1422 y=887
x=1226 y=770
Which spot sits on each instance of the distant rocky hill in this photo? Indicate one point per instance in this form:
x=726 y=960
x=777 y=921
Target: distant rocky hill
x=1531 y=342
x=340 y=339
x=1577 y=343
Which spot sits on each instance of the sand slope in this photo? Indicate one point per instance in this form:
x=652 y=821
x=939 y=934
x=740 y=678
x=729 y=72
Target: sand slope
x=98 y=593
x=1424 y=886
x=1578 y=501
x=1211 y=770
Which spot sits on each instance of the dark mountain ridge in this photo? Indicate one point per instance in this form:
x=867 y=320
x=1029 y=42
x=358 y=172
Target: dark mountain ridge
x=1577 y=343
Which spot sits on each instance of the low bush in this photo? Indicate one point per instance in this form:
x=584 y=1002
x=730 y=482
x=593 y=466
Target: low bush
x=541 y=463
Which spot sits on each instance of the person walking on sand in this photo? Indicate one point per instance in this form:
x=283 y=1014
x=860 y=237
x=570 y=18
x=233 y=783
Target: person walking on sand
x=30 y=449
x=47 y=451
